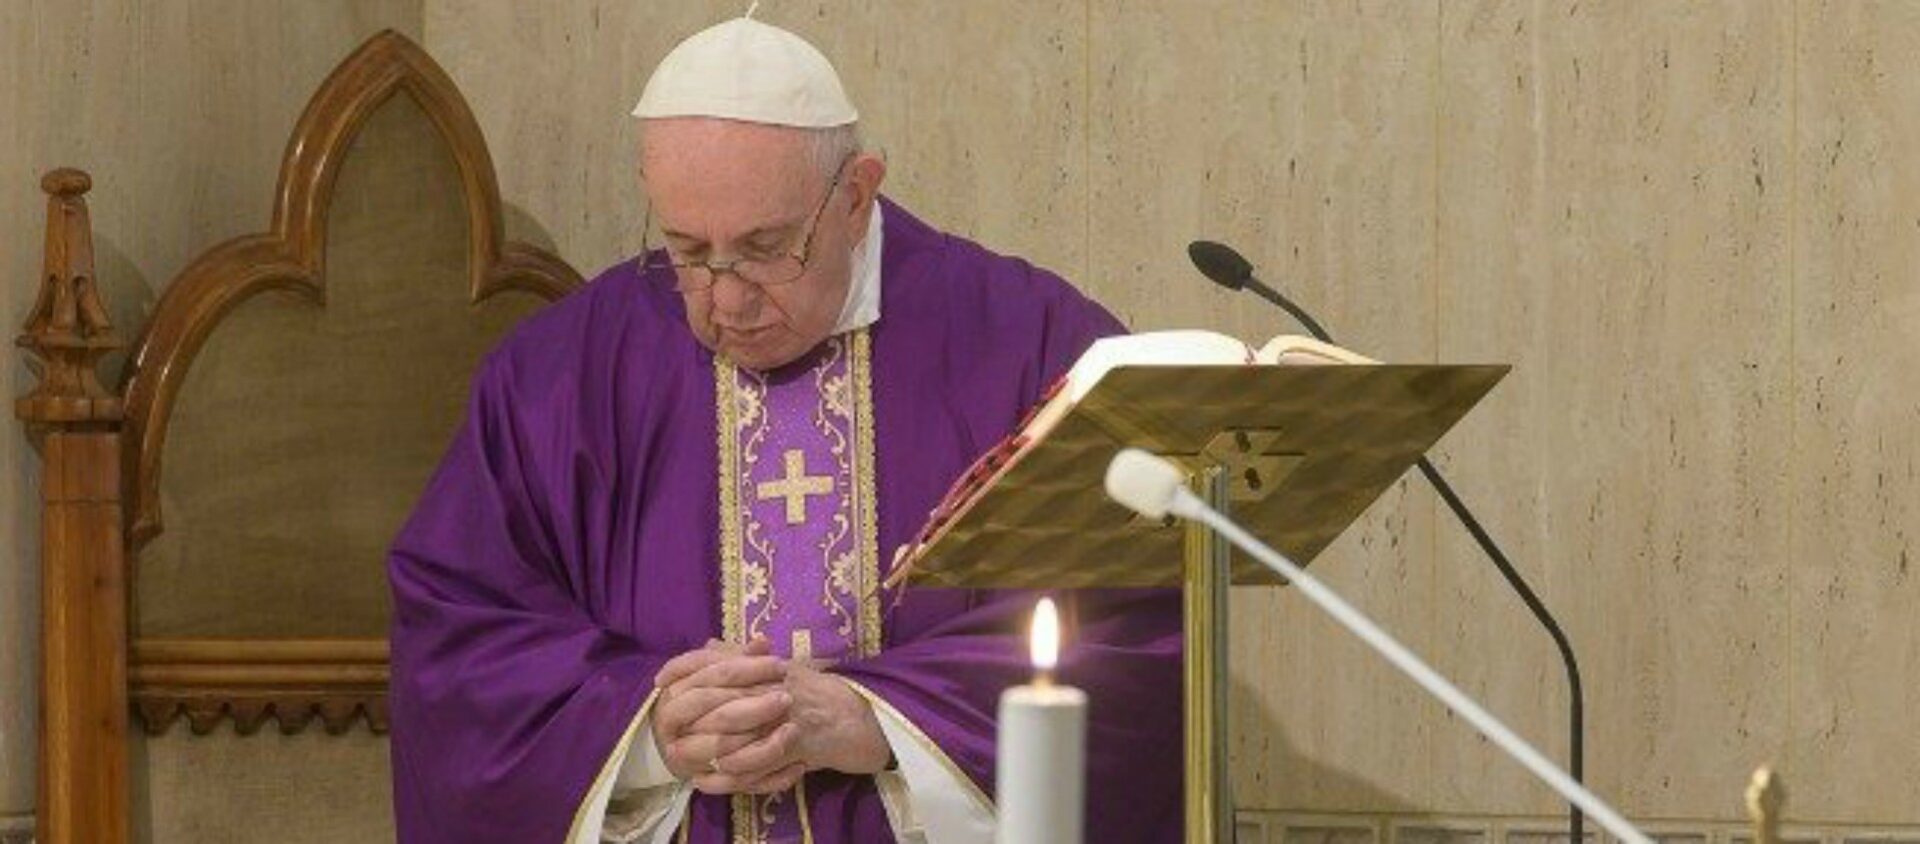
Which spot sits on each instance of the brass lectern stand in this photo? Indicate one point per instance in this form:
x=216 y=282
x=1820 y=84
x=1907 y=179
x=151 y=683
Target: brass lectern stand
x=1296 y=452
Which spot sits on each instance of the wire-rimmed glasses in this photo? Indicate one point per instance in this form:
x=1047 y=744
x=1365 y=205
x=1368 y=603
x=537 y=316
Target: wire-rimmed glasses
x=785 y=267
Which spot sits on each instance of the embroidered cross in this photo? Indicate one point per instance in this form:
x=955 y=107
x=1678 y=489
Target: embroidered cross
x=796 y=486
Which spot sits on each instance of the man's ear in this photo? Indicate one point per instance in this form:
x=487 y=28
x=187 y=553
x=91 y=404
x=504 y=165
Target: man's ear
x=864 y=176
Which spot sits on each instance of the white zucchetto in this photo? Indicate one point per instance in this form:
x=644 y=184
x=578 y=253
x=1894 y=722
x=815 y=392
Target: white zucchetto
x=750 y=71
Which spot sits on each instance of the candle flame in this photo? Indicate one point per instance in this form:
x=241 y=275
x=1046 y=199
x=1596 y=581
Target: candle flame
x=1046 y=636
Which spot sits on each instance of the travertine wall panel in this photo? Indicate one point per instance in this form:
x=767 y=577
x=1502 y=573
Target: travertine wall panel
x=1310 y=149
x=1855 y=451
x=1613 y=218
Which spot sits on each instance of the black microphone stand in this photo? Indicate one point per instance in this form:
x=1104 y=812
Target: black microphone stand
x=1576 y=820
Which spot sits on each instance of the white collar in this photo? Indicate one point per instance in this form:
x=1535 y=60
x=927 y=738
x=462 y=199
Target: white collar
x=862 y=307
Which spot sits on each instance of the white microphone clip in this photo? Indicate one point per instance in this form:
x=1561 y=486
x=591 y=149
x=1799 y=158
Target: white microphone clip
x=1149 y=484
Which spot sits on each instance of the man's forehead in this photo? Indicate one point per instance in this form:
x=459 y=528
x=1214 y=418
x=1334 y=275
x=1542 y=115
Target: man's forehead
x=745 y=226
x=704 y=141
x=736 y=177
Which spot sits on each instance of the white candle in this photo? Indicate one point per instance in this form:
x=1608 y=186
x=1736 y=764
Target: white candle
x=1042 y=764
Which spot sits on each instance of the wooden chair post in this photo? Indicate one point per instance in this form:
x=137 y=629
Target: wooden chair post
x=83 y=577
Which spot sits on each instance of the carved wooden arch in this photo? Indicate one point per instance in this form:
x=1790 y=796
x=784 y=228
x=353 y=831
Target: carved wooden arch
x=291 y=255
x=337 y=681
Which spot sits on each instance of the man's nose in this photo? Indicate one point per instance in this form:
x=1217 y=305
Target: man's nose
x=735 y=297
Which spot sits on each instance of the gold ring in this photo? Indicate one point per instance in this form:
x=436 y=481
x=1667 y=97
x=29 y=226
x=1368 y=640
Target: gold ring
x=714 y=765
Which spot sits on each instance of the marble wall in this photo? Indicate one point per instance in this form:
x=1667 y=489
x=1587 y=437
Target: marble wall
x=180 y=110
x=1691 y=227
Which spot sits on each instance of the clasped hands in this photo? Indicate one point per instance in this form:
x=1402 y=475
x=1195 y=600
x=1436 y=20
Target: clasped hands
x=734 y=719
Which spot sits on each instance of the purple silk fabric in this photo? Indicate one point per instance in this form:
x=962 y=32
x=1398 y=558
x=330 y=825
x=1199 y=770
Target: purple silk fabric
x=567 y=547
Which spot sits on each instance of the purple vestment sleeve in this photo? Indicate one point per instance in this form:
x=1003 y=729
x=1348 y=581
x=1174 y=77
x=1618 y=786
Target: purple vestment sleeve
x=1124 y=646
x=1125 y=654
x=504 y=691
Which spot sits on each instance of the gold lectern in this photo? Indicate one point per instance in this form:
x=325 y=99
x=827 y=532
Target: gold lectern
x=1296 y=453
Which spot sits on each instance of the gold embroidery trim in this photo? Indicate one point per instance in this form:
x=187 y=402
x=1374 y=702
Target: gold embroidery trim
x=746 y=827
x=609 y=767
x=733 y=624
x=834 y=418
x=866 y=495
x=732 y=559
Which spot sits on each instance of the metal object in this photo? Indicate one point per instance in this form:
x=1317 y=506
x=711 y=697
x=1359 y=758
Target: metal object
x=1766 y=799
x=1209 y=789
x=1325 y=441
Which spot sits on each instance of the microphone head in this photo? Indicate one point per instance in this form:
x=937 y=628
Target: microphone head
x=1144 y=482
x=1219 y=262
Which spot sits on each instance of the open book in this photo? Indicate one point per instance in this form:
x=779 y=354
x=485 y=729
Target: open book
x=1173 y=348
x=1160 y=348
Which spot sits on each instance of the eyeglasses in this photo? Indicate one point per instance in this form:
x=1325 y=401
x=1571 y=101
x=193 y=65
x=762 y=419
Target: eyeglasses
x=770 y=271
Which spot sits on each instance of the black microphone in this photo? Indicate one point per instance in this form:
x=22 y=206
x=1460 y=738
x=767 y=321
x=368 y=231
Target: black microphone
x=1229 y=269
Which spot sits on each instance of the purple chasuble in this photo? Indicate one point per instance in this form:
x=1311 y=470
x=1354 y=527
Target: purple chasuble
x=798 y=564
x=618 y=496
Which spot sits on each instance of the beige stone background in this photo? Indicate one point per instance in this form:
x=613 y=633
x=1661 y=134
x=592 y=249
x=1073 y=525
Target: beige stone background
x=1693 y=229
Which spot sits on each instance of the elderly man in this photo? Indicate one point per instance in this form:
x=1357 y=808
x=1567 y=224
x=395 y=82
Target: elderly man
x=641 y=599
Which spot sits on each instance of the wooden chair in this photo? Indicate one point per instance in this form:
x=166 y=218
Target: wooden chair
x=276 y=373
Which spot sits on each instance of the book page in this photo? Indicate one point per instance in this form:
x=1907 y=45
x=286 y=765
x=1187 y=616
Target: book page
x=1295 y=350
x=1154 y=348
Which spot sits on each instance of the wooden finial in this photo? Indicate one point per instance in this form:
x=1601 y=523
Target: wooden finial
x=69 y=329
x=66 y=182
x=1766 y=797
